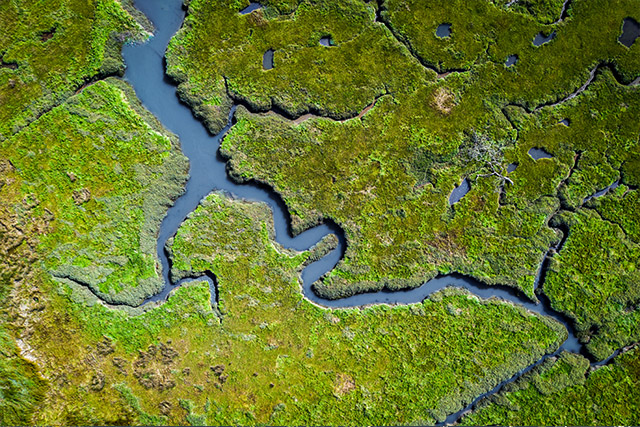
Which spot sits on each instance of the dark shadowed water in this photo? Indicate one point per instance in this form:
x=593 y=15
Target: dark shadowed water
x=541 y=39
x=267 y=60
x=511 y=167
x=539 y=153
x=630 y=32
x=145 y=72
x=565 y=122
x=511 y=60
x=602 y=192
x=459 y=192
x=443 y=30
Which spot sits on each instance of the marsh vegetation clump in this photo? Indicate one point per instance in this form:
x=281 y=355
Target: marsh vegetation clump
x=444 y=100
x=489 y=155
x=105 y=177
x=563 y=390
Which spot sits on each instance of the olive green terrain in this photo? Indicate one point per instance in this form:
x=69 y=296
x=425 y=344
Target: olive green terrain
x=49 y=49
x=87 y=174
x=385 y=176
x=377 y=365
x=565 y=391
x=263 y=354
x=107 y=177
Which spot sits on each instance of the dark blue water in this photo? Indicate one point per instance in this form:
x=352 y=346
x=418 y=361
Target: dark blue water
x=443 y=30
x=511 y=60
x=541 y=39
x=459 y=192
x=539 y=153
x=145 y=72
x=267 y=60
x=630 y=32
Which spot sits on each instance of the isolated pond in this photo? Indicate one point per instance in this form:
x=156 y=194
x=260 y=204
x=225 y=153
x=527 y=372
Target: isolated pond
x=511 y=60
x=541 y=39
x=565 y=122
x=630 y=32
x=459 y=192
x=443 y=30
x=539 y=153
x=511 y=167
x=326 y=41
x=267 y=60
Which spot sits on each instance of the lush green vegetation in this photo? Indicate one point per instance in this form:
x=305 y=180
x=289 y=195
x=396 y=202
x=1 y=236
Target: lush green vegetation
x=49 y=49
x=86 y=174
x=357 y=355
x=104 y=172
x=265 y=354
x=212 y=61
x=484 y=34
x=594 y=279
x=385 y=177
x=564 y=391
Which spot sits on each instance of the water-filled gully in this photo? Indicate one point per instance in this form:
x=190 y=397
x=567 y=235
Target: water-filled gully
x=145 y=72
x=252 y=6
x=459 y=192
x=267 y=64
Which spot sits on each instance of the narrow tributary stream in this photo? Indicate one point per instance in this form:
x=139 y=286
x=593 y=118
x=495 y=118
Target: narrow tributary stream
x=146 y=73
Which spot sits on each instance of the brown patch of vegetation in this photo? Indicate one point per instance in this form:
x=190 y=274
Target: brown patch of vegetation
x=48 y=35
x=344 y=384
x=120 y=365
x=218 y=371
x=165 y=407
x=443 y=100
x=9 y=65
x=97 y=381
x=81 y=196
x=105 y=347
x=153 y=367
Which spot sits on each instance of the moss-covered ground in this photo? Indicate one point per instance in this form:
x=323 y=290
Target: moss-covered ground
x=565 y=391
x=273 y=357
x=264 y=354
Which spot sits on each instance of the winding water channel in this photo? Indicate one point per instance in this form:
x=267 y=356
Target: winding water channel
x=145 y=72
